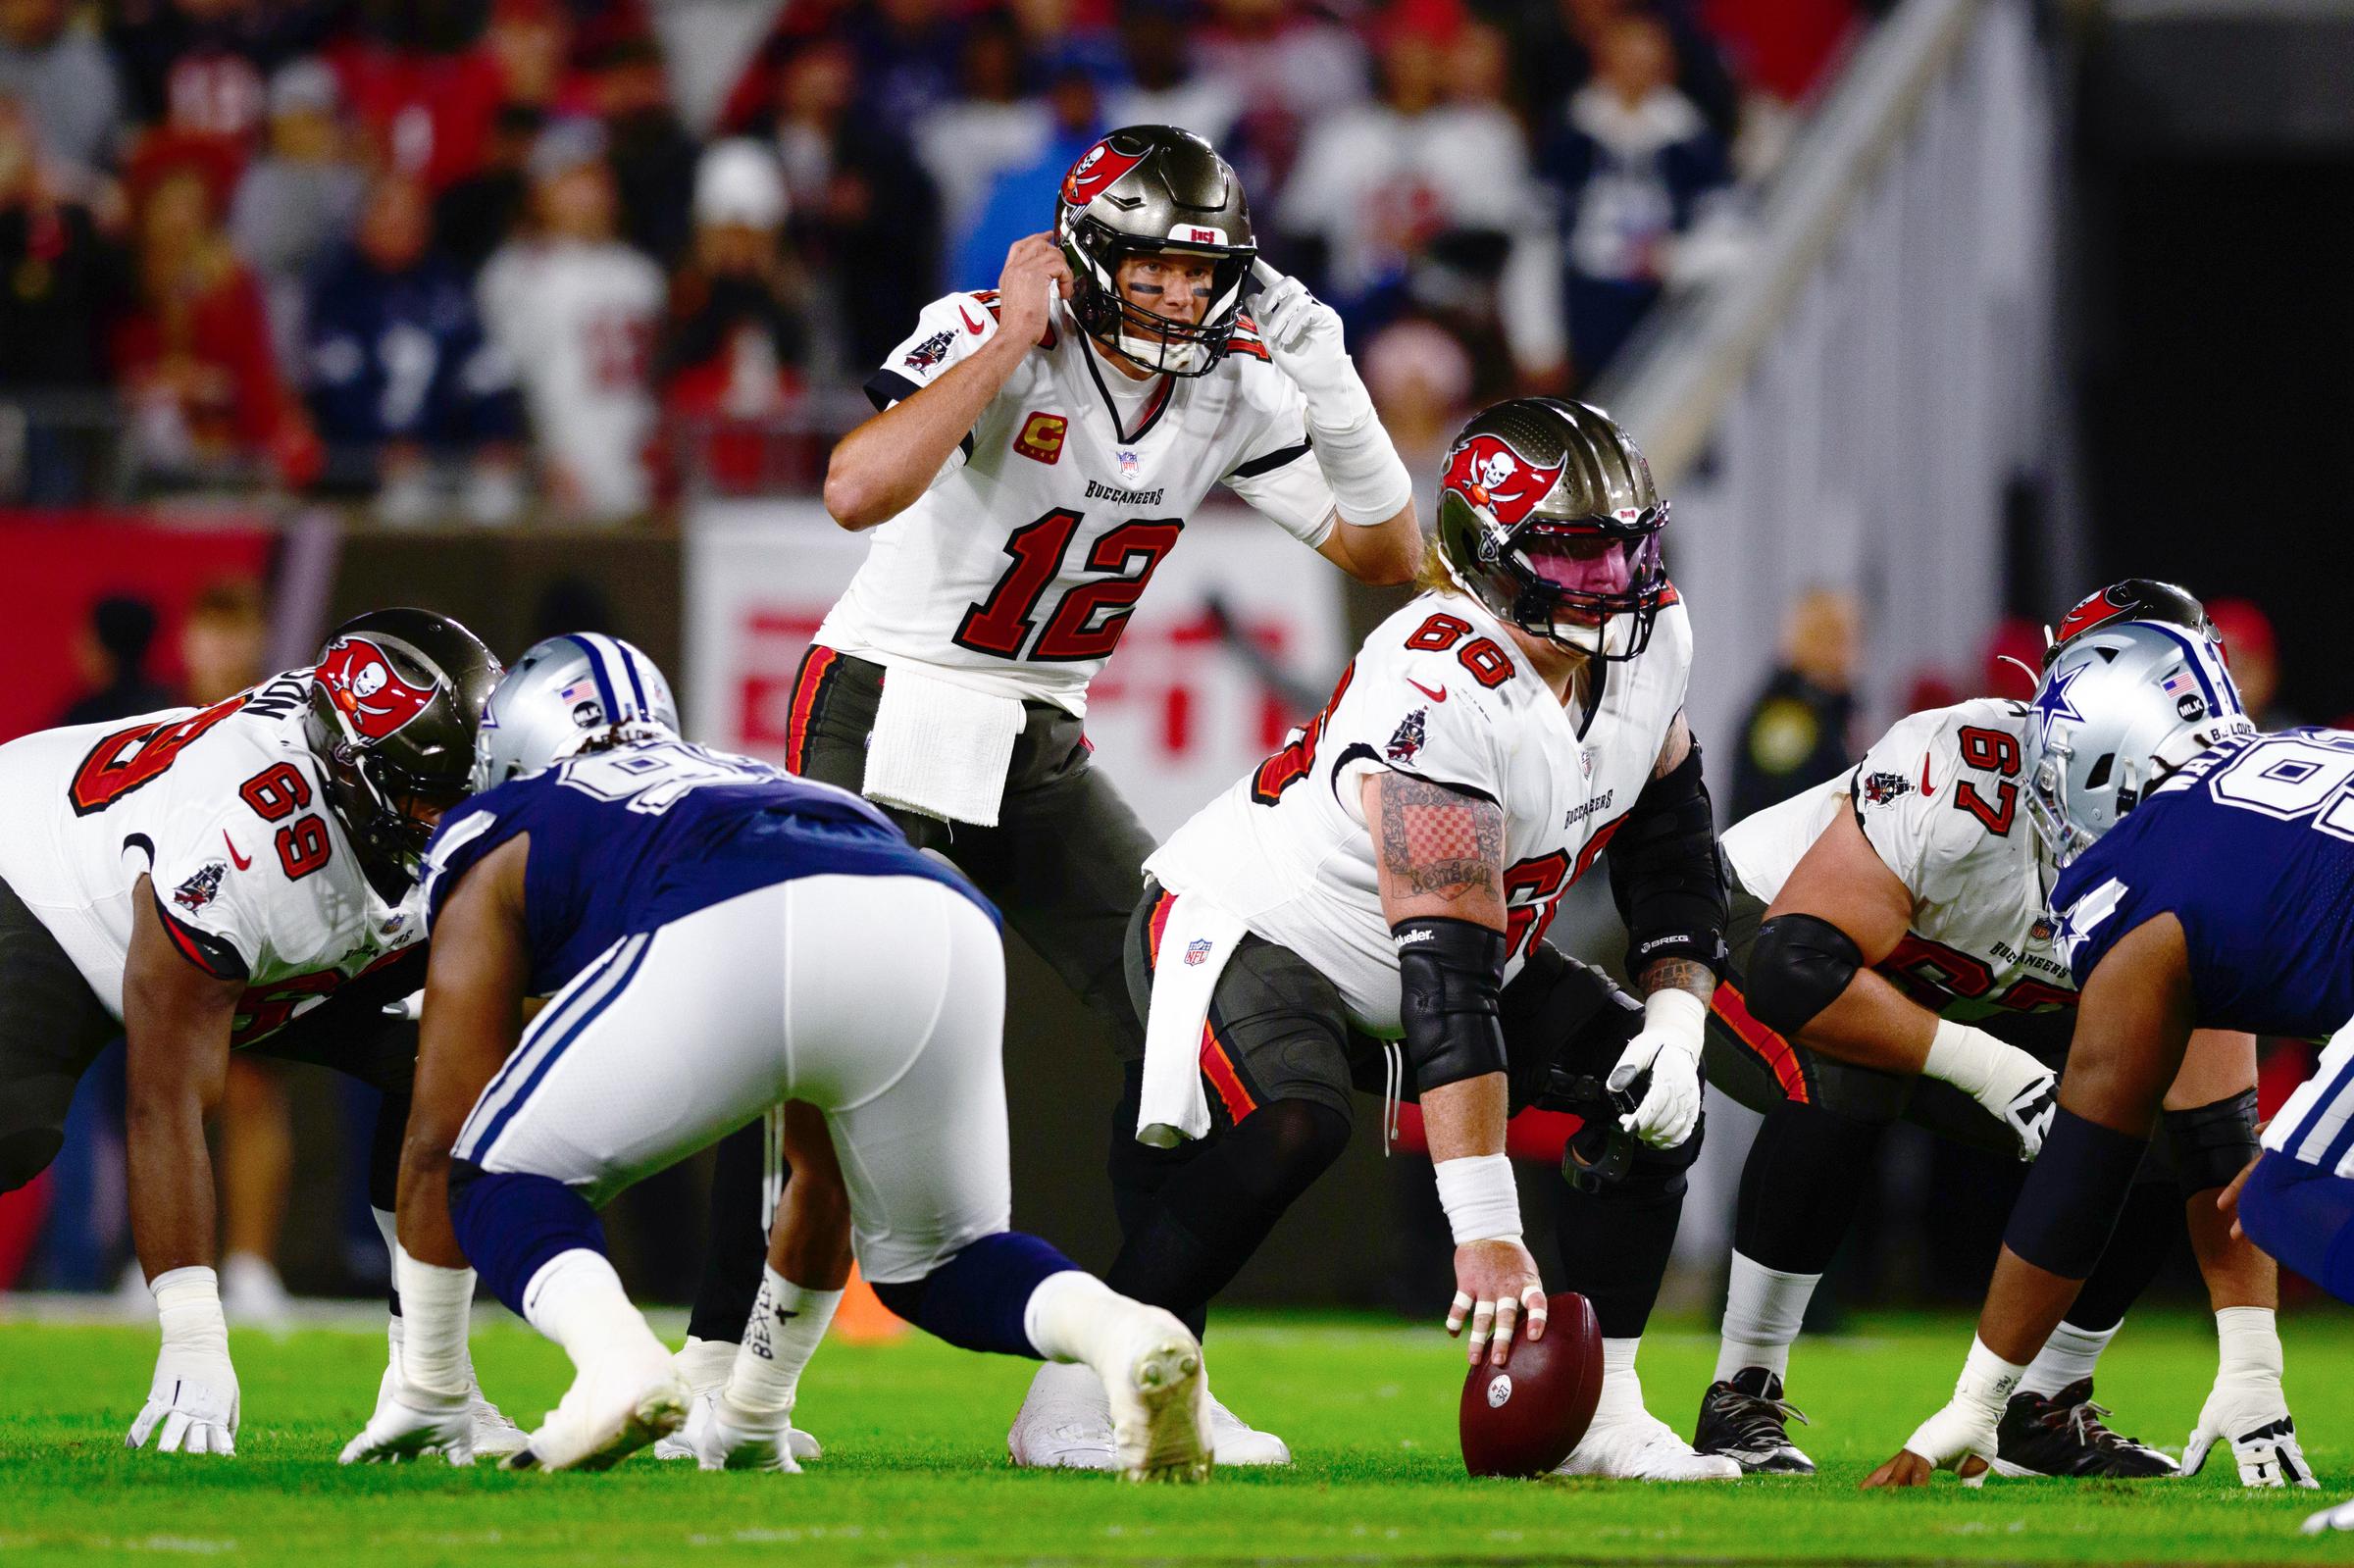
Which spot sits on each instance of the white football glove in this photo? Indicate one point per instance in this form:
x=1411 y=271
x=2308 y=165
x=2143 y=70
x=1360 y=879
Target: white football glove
x=410 y=1423
x=725 y=1437
x=1669 y=1050
x=1304 y=338
x=2262 y=1433
x=2014 y=1087
x=194 y=1393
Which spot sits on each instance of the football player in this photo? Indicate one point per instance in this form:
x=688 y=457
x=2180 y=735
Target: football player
x=239 y=876
x=1036 y=451
x=706 y=927
x=2204 y=880
x=1891 y=924
x=1368 y=908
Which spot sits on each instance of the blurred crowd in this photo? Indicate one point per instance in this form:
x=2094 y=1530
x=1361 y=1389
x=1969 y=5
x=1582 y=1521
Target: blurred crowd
x=464 y=259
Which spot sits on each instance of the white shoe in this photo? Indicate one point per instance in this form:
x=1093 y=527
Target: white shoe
x=705 y=1365
x=2340 y=1517
x=495 y=1435
x=1238 y=1443
x=1065 y=1423
x=724 y=1438
x=1151 y=1365
x=252 y=1295
x=1636 y=1445
x=609 y=1413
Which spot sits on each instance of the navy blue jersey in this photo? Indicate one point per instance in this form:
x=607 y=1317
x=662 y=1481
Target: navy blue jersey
x=630 y=840
x=2251 y=846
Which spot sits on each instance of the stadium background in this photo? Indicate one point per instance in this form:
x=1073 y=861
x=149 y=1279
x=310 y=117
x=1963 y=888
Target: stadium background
x=1932 y=316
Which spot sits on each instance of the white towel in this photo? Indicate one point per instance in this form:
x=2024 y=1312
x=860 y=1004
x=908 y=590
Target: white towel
x=940 y=748
x=1195 y=944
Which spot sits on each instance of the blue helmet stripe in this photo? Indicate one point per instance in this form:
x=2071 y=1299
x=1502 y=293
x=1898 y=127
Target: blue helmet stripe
x=2198 y=668
x=627 y=657
x=596 y=668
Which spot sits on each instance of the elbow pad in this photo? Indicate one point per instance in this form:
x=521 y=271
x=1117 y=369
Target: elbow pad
x=1797 y=967
x=1450 y=973
x=1667 y=876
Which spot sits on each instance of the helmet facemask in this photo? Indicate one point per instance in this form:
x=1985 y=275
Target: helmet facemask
x=1155 y=341
x=373 y=797
x=1569 y=582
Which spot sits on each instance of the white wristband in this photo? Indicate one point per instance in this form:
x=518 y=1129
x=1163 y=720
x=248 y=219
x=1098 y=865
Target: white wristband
x=1681 y=1018
x=187 y=1306
x=1369 y=480
x=436 y=1304
x=1481 y=1199
x=2248 y=1344
x=1987 y=1381
x=1962 y=1056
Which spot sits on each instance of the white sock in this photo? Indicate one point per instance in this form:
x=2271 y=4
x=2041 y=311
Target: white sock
x=2071 y=1353
x=1762 y=1310
x=388 y=1228
x=1065 y=1315
x=576 y=1300
x=1622 y=1389
x=785 y=1326
x=705 y=1363
x=432 y=1328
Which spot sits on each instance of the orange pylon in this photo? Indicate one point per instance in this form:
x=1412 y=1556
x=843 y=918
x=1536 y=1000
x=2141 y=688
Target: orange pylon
x=862 y=1318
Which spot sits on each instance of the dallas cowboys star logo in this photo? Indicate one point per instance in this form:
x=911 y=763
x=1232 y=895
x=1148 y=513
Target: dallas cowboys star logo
x=2053 y=703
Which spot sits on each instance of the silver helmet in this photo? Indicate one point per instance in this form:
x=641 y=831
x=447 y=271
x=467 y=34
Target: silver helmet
x=1151 y=190
x=564 y=693
x=2116 y=710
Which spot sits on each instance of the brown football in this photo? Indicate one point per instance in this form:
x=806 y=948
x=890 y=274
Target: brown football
x=1522 y=1418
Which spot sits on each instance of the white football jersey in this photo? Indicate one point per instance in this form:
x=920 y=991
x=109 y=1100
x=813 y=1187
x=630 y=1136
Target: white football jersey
x=1939 y=797
x=579 y=322
x=1016 y=570
x=1438 y=693
x=225 y=809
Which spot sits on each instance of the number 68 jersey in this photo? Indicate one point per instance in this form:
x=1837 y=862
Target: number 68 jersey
x=1938 y=797
x=1438 y=693
x=224 y=809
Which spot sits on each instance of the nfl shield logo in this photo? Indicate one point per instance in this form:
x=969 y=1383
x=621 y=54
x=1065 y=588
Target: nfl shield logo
x=1130 y=467
x=1197 y=951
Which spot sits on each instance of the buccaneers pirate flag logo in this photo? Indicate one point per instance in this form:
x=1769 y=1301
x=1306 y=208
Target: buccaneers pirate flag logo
x=1490 y=476
x=367 y=691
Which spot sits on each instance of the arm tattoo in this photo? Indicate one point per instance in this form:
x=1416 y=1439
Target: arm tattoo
x=1437 y=842
x=1680 y=974
x=1674 y=750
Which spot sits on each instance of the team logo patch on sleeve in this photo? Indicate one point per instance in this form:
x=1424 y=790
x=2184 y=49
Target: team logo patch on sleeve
x=932 y=350
x=203 y=887
x=1880 y=788
x=367 y=691
x=1406 y=742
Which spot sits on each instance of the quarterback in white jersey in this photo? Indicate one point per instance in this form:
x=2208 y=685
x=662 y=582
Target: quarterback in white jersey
x=1894 y=954
x=1037 y=451
x=1366 y=910
x=207 y=879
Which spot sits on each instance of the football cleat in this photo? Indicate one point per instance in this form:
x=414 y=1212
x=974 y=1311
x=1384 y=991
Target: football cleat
x=1065 y=1423
x=722 y=1436
x=1234 y=1442
x=705 y=1365
x=1636 y=1445
x=1151 y=1365
x=1746 y=1419
x=609 y=1413
x=495 y=1436
x=2340 y=1517
x=2063 y=1435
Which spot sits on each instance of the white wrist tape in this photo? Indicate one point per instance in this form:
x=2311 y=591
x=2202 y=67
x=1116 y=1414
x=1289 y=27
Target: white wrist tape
x=436 y=1305
x=1482 y=1202
x=1987 y=1381
x=1368 y=479
x=2248 y=1345
x=187 y=1306
x=1681 y=1018
x=1963 y=1057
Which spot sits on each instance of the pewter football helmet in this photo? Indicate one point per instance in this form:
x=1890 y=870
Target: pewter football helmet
x=564 y=693
x=2116 y=710
x=1150 y=189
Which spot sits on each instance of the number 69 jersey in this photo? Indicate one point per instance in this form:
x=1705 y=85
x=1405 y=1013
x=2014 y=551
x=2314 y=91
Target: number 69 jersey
x=1017 y=569
x=1938 y=798
x=2250 y=845
x=1439 y=692
x=225 y=810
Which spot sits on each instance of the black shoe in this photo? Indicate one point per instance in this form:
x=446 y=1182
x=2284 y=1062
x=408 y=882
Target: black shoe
x=2062 y=1435
x=1746 y=1420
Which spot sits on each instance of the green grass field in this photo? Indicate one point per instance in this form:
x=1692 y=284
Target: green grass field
x=915 y=1467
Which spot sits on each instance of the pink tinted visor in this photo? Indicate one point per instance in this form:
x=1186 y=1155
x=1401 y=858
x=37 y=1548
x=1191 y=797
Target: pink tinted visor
x=1586 y=562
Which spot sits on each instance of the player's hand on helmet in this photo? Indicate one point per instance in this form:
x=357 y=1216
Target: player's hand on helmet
x=2251 y=1414
x=1959 y=1438
x=1668 y=1051
x=192 y=1402
x=725 y=1436
x=1035 y=275
x=1497 y=1290
x=1304 y=340
x=411 y=1422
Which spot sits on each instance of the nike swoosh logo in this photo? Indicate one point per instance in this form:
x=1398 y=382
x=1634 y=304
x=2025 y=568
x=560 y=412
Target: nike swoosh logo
x=970 y=325
x=1439 y=695
x=1926 y=790
x=242 y=863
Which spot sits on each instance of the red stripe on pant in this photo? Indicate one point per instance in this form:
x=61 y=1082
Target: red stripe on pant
x=816 y=666
x=1767 y=1045
x=1154 y=927
x=1217 y=1065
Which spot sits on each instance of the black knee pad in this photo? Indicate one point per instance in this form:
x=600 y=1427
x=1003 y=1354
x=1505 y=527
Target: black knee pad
x=26 y=1153
x=2209 y=1146
x=1798 y=966
x=1303 y=1137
